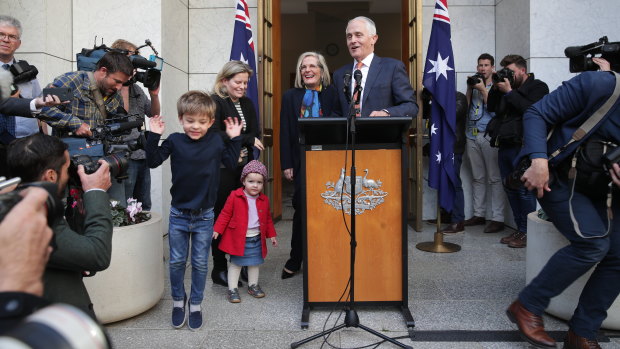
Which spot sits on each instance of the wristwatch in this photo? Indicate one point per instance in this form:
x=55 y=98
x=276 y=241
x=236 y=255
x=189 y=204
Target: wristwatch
x=386 y=111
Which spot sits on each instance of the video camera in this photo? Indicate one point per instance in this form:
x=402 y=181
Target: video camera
x=149 y=70
x=107 y=143
x=580 y=57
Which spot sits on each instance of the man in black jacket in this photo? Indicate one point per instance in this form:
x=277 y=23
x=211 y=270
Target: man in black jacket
x=514 y=90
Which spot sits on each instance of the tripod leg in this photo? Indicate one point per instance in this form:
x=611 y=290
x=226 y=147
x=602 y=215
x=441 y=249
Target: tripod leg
x=309 y=339
x=378 y=334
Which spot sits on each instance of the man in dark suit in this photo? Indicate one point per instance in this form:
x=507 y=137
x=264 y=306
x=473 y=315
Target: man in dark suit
x=41 y=157
x=386 y=88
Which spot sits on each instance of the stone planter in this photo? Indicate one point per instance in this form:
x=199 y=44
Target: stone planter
x=134 y=282
x=543 y=240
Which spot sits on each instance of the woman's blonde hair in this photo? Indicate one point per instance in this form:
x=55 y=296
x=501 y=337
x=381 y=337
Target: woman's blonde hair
x=227 y=72
x=325 y=79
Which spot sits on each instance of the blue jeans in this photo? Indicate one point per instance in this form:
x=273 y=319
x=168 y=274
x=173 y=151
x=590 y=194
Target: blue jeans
x=458 y=209
x=138 y=183
x=197 y=225
x=574 y=260
x=522 y=201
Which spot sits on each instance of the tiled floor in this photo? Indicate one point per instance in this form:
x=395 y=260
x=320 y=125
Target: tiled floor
x=468 y=290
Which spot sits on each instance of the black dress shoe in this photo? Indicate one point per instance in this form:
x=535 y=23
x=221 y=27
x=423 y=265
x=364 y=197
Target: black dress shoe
x=287 y=275
x=221 y=278
x=244 y=273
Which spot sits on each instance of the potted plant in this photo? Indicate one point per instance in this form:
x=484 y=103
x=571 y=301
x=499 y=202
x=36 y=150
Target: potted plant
x=134 y=281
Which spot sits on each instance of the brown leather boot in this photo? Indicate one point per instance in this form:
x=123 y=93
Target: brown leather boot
x=530 y=325
x=509 y=238
x=573 y=341
x=519 y=242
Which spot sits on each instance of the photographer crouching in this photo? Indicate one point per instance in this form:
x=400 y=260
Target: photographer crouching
x=576 y=177
x=514 y=90
x=86 y=248
x=94 y=96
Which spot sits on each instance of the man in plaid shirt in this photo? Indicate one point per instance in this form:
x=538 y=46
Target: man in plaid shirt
x=78 y=116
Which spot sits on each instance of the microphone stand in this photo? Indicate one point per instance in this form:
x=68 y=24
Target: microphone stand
x=351 y=319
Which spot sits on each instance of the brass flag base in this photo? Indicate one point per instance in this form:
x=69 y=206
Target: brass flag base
x=438 y=246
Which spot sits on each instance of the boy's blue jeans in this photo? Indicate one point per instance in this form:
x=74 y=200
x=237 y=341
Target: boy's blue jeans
x=196 y=225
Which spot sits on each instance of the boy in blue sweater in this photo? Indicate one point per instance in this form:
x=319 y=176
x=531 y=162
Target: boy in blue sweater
x=195 y=157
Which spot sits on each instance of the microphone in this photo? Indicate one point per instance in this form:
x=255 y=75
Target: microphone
x=357 y=75
x=347 y=87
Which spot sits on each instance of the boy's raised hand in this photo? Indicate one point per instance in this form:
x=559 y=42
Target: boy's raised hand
x=233 y=127
x=157 y=124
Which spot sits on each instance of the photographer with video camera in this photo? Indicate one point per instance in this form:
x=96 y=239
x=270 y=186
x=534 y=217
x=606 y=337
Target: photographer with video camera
x=514 y=90
x=576 y=176
x=94 y=95
x=25 y=82
x=135 y=101
x=86 y=248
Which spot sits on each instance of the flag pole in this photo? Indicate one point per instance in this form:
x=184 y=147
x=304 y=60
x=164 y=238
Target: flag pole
x=438 y=245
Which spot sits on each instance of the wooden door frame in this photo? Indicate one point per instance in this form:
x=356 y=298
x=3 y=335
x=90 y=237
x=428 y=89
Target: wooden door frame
x=412 y=57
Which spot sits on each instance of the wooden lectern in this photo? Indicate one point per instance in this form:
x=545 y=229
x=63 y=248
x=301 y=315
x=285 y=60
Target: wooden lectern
x=381 y=272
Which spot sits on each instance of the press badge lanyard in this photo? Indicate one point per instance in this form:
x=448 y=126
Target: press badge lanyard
x=478 y=108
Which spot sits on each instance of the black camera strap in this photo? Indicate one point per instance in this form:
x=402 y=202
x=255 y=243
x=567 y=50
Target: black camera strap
x=94 y=89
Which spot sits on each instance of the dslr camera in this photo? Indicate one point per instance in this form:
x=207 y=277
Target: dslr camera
x=53 y=204
x=505 y=73
x=22 y=72
x=580 y=57
x=107 y=143
x=475 y=79
x=148 y=70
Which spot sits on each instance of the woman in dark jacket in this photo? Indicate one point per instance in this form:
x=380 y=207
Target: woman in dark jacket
x=313 y=96
x=229 y=95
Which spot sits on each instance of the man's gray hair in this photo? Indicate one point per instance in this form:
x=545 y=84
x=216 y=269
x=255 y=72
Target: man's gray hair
x=11 y=22
x=370 y=25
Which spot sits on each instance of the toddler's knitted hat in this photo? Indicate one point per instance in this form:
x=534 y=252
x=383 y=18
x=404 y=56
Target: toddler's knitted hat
x=254 y=166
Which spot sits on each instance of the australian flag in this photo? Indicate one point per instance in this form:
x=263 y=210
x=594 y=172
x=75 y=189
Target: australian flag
x=243 y=49
x=439 y=80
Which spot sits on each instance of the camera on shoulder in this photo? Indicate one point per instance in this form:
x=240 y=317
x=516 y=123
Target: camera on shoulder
x=580 y=57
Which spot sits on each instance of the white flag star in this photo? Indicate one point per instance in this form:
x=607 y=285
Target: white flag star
x=438 y=155
x=433 y=129
x=243 y=59
x=440 y=67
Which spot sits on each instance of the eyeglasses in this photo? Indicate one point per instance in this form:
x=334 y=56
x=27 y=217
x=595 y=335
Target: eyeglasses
x=11 y=37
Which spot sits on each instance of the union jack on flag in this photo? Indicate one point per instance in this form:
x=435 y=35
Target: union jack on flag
x=243 y=49
x=439 y=79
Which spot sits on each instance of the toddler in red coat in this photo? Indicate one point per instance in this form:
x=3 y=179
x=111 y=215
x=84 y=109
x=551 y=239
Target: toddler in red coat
x=244 y=225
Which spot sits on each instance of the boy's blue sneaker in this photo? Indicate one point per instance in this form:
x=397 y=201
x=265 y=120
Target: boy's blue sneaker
x=195 y=320
x=178 y=315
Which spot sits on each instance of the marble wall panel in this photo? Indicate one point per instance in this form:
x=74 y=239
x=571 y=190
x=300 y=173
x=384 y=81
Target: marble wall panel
x=210 y=37
x=175 y=34
x=473 y=33
x=551 y=70
x=512 y=29
x=203 y=82
x=174 y=83
x=58 y=29
x=556 y=24
x=184 y=2
x=94 y=18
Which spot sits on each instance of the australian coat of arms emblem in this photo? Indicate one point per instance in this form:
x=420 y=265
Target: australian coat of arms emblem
x=367 y=194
